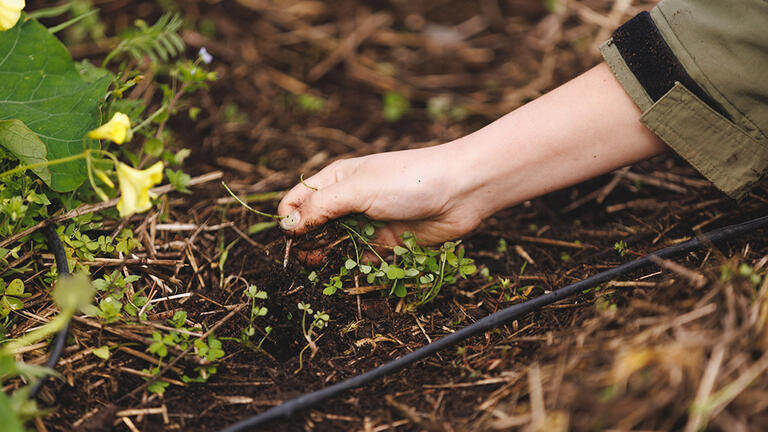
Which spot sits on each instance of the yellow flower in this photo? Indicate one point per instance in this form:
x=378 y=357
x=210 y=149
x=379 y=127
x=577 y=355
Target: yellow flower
x=118 y=129
x=10 y=12
x=134 y=187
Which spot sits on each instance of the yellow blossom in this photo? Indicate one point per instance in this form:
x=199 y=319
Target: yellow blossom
x=10 y=12
x=134 y=187
x=118 y=129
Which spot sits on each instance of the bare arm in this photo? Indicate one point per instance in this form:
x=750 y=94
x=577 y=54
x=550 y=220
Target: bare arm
x=587 y=127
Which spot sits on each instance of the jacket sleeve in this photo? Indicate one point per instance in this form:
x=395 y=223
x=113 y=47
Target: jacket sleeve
x=698 y=70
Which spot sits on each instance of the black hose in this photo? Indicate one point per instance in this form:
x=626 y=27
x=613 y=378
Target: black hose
x=55 y=246
x=490 y=322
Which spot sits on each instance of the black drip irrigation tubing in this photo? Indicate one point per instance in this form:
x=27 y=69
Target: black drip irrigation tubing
x=490 y=322
x=60 y=256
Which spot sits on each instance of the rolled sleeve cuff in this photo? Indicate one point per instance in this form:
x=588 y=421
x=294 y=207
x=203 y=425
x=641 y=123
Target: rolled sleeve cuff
x=689 y=122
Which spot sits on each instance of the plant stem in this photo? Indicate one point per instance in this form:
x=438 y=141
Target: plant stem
x=249 y=207
x=301 y=179
x=72 y=21
x=22 y=168
x=360 y=236
x=149 y=119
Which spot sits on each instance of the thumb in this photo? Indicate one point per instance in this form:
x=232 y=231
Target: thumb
x=319 y=207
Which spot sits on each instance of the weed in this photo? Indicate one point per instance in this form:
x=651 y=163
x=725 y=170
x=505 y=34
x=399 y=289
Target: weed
x=425 y=271
x=395 y=106
x=319 y=321
x=256 y=298
x=621 y=247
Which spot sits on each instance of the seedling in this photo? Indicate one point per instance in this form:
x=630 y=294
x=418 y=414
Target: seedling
x=11 y=296
x=256 y=297
x=395 y=106
x=319 y=321
x=621 y=247
x=425 y=271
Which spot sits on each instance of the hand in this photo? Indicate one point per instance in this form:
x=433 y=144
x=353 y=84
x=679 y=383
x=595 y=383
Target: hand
x=587 y=127
x=422 y=191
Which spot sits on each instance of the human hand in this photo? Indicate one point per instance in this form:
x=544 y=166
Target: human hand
x=587 y=127
x=423 y=191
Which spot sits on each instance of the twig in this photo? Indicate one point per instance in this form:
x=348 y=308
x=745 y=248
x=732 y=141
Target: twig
x=350 y=44
x=697 y=279
x=552 y=242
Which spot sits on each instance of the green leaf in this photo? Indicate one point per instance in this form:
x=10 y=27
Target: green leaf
x=73 y=292
x=395 y=106
x=399 y=289
x=467 y=269
x=18 y=139
x=153 y=147
x=395 y=273
x=12 y=303
x=350 y=264
x=158 y=387
x=43 y=89
x=11 y=423
x=399 y=250
x=411 y=272
x=101 y=352
x=15 y=288
x=179 y=179
x=260 y=226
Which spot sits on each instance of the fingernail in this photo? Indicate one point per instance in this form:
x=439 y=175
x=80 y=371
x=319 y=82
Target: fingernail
x=291 y=221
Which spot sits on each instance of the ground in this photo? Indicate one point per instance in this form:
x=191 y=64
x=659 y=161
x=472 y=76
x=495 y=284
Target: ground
x=664 y=348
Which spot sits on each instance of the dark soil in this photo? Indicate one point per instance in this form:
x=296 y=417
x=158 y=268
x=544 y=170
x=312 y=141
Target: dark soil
x=604 y=360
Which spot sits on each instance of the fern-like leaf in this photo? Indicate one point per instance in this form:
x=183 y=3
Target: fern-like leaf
x=160 y=41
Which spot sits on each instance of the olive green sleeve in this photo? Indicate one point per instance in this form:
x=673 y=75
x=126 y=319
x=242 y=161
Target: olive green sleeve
x=717 y=117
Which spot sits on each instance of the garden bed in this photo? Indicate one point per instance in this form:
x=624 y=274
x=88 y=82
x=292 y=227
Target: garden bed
x=302 y=83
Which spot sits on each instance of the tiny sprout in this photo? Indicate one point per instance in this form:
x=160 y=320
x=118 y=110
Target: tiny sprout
x=621 y=247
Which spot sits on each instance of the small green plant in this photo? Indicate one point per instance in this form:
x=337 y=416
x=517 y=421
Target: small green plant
x=621 y=247
x=727 y=272
x=256 y=297
x=11 y=297
x=209 y=350
x=71 y=294
x=310 y=103
x=114 y=302
x=395 y=106
x=319 y=322
x=422 y=270
x=58 y=119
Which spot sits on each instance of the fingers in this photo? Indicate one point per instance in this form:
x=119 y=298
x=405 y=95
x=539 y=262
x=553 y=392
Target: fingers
x=299 y=193
x=312 y=209
x=295 y=220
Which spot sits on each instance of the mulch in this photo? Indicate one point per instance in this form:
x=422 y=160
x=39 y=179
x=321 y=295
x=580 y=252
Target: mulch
x=659 y=350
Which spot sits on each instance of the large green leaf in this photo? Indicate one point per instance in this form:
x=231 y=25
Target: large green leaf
x=25 y=145
x=40 y=86
x=11 y=423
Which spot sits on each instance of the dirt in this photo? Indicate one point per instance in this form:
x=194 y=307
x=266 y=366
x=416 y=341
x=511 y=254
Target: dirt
x=561 y=356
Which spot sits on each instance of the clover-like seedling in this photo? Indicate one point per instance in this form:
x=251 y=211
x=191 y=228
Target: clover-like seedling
x=258 y=310
x=11 y=296
x=415 y=271
x=319 y=321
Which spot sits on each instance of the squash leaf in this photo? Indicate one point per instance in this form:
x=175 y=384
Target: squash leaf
x=41 y=87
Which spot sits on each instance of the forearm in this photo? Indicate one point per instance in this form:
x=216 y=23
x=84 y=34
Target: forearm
x=585 y=128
